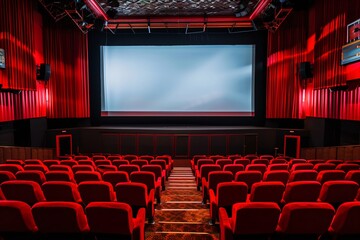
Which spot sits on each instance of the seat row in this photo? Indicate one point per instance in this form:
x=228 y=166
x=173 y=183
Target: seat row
x=295 y=221
x=69 y=220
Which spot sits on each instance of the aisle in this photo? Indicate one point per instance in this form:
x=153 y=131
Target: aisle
x=181 y=214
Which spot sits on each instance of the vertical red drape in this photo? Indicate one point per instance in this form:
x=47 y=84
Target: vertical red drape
x=65 y=50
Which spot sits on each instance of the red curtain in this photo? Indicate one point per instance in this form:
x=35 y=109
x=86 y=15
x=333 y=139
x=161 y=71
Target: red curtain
x=65 y=49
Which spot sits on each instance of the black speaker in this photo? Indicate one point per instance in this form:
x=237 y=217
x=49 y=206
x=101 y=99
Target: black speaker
x=43 y=72
x=305 y=70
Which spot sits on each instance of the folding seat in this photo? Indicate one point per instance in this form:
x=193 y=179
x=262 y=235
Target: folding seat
x=324 y=166
x=60 y=220
x=33 y=162
x=168 y=159
x=254 y=220
x=315 y=161
x=118 y=162
x=301 y=191
x=277 y=176
x=160 y=175
x=31 y=175
x=278 y=161
x=114 y=157
x=204 y=171
x=301 y=166
x=251 y=156
x=256 y=167
x=347 y=167
x=216 y=157
x=353 y=175
x=223 y=162
x=267 y=192
x=140 y=163
x=163 y=165
x=260 y=161
x=68 y=157
x=268 y=157
x=148 y=158
x=335 y=161
x=87 y=162
x=69 y=163
x=202 y=162
x=61 y=191
x=77 y=168
x=214 y=178
x=13 y=168
x=115 y=177
x=275 y=167
x=16 y=220
x=304 y=220
x=194 y=161
x=82 y=176
x=227 y=194
x=6 y=176
x=129 y=168
x=295 y=161
x=130 y=157
x=105 y=168
x=15 y=161
x=234 y=156
x=234 y=168
x=36 y=167
x=50 y=162
x=59 y=176
x=243 y=162
x=248 y=177
x=303 y=175
x=137 y=196
x=148 y=178
x=99 y=157
x=346 y=222
x=330 y=175
x=80 y=157
x=96 y=191
x=22 y=190
x=102 y=162
x=65 y=168
x=337 y=192
x=114 y=220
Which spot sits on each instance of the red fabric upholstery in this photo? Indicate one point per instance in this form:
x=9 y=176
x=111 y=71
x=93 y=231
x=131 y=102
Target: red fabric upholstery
x=31 y=175
x=324 y=166
x=115 y=218
x=256 y=167
x=234 y=156
x=251 y=156
x=337 y=192
x=274 y=167
x=278 y=161
x=61 y=191
x=335 y=161
x=105 y=168
x=260 y=161
x=234 y=168
x=98 y=157
x=130 y=157
x=276 y=175
x=59 y=176
x=21 y=190
x=87 y=162
x=69 y=163
x=148 y=158
x=96 y=191
x=201 y=162
x=148 y=178
x=103 y=162
x=16 y=217
x=330 y=175
x=13 y=168
x=36 y=167
x=223 y=162
x=295 y=161
x=303 y=175
x=81 y=176
x=160 y=175
x=267 y=192
x=248 y=177
x=115 y=177
x=139 y=163
x=353 y=175
x=243 y=162
x=113 y=158
x=6 y=176
x=301 y=191
x=50 y=162
x=15 y=161
x=305 y=218
x=347 y=167
x=301 y=166
x=77 y=168
x=346 y=220
x=214 y=178
x=60 y=217
x=268 y=157
x=33 y=162
x=129 y=168
x=315 y=161
x=62 y=168
x=118 y=162
x=78 y=158
x=204 y=171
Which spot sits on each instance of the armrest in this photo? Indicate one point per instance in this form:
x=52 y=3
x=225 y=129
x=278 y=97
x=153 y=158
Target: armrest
x=139 y=225
x=213 y=205
x=151 y=203
x=226 y=232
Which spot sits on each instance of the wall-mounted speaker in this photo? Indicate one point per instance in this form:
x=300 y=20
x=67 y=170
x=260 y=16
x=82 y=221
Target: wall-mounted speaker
x=43 y=72
x=305 y=70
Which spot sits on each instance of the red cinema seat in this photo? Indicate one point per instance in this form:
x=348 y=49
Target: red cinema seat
x=105 y=168
x=201 y=162
x=13 y=168
x=204 y=171
x=256 y=167
x=115 y=177
x=268 y=157
x=234 y=156
x=103 y=162
x=267 y=192
x=50 y=162
x=6 y=176
x=216 y=157
x=251 y=156
x=129 y=168
x=81 y=157
x=347 y=167
x=324 y=166
x=249 y=221
x=330 y=175
x=36 y=167
x=301 y=166
x=214 y=178
x=62 y=168
x=276 y=175
x=301 y=191
x=346 y=222
x=21 y=190
x=260 y=161
x=96 y=191
x=315 y=161
x=148 y=158
x=163 y=165
x=112 y=158
x=303 y=175
x=31 y=175
x=337 y=192
x=353 y=175
x=168 y=159
x=234 y=168
x=69 y=163
x=248 y=177
x=335 y=161
x=194 y=161
x=295 y=161
x=223 y=162
x=275 y=167
x=114 y=220
x=119 y=162
x=59 y=176
x=61 y=191
x=130 y=157
x=98 y=157
x=81 y=176
x=15 y=161
x=77 y=168
x=243 y=162
x=278 y=161
x=160 y=175
x=33 y=162
x=148 y=178
x=87 y=162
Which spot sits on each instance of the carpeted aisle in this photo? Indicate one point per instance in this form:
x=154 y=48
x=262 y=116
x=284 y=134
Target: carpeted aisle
x=181 y=214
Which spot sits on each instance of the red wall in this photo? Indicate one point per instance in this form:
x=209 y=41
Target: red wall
x=315 y=36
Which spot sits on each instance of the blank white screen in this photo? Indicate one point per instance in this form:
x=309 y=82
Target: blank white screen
x=186 y=79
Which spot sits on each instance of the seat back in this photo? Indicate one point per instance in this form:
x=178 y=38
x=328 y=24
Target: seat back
x=147 y=178
x=201 y=162
x=305 y=218
x=353 y=175
x=243 y=162
x=347 y=167
x=112 y=158
x=99 y=157
x=102 y=162
x=69 y=163
x=337 y=192
x=159 y=162
x=21 y=190
x=129 y=168
x=82 y=176
x=59 y=176
x=156 y=169
x=295 y=161
x=248 y=177
x=62 y=168
x=50 y=162
x=81 y=157
x=324 y=166
x=96 y=191
x=13 y=168
x=256 y=167
x=229 y=193
x=223 y=162
x=61 y=191
x=267 y=192
x=260 y=161
x=234 y=168
x=303 y=175
x=15 y=161
x=217 y=177
x=115 y=177
x=77 y=168
x=315 y=161
x=118 y=162
x=335 y=161
x=251 y=156
x=205 y=169
x=276 y=175
x=31 y=175
x=274 y=167
x=148 y=158
x=266 y=156
x=132 y=193
x=278 y=161
x=87 y=162
x=301 y=191
x=330 y=175
x=6 y=176
x=197 y=157
x=33 y=162
x=60 y=217
x=346 y=220
x=302 y=166
x=130 y=157
x=37 y=167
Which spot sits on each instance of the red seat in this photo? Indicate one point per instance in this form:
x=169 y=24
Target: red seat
x=80 y=157
x=69 y=163
x=276 y=175
x=61 y=191
x=214 y=178
x=203 y=172
x=130 y=157
x=50 y=162
x=303 y=175
x=260 y=161
x=243 y=162
x=112 y=158
x=15 y=161
x=137 y=196
x=33 y=162
x=301 y=191
x=346 y=221
x=160 y=175
x=59 y=176
x=194 y=161
x=301 y=166
x=251 y=156
x=60 y=218
x=82 y=176
x=295 y=161
x=335 y=161
x=347 y=167
x=267 y=192
x=256 y=167
x=115 y=219
x=315 y=161
x=223 y=162
x=98 y=157
x=115 y=177
x=31 y=175
x=278 y=161
x=62 y=168
x=353 y=175
x=103 y=162
x=216 y=157
x=148 y=178
x=275 y=167
x=201 y=162
x=248 y=177
x=118 y=162
x=148 y=158
x=105 y=168
x=337 y=192
x=77 y=168
x=2 y=196
x=21 y=190
x=13 y=168
x=163 y=165
x=234 y=156
x=324 y=166
x=129 y=168
x=16 y=218
x=268 y=157
x=36 y=167
x=249 y=220
x=6 y=176
x=330 y=175
x=227 y=194
x=96 y=191
x=234 y=168
x=87 y=162
x=304 y=220
x=168 y=159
